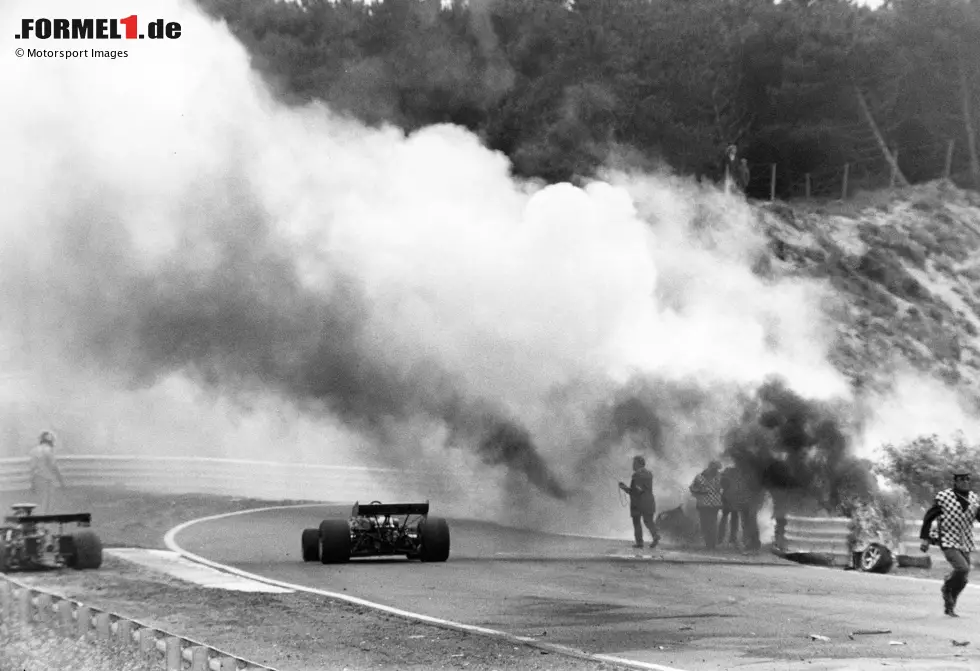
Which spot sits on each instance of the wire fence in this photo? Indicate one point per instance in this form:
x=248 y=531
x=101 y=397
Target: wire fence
x=867 y=168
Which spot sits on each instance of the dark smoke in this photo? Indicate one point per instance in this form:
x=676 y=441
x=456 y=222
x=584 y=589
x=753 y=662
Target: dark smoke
x=797 y=448
x=788 y=445
x=243 y=323
x=501 y=441
x=669 y=422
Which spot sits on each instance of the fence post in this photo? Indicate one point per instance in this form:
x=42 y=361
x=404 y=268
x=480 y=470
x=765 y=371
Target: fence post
x=772 y=183
x=808 y=186
x=949 y=159
x=843 y=191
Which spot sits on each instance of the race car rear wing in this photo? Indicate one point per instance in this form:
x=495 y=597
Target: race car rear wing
x=391 y=509
x=63 y=518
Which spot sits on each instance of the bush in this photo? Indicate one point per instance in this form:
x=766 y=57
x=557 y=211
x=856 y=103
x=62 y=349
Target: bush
x=880 y=519
x=924 y=465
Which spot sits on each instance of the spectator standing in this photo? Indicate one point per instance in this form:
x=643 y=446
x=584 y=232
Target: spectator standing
x=706 y=488
x=730 y=491
x=45 y=474
x=735 y=170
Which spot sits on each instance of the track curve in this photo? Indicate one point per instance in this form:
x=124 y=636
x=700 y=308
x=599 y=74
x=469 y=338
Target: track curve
x=587 y=596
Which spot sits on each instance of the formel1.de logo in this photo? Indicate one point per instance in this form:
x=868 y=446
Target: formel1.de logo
x=97 y=29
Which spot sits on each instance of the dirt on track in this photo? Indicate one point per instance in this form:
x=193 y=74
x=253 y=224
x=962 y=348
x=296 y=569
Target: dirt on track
x=291 y=632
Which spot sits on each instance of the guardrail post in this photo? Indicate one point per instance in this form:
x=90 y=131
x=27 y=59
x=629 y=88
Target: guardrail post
x=174 y=660
x=103 y=624
x=65 y=619
x=84 y=622
x=124 y=632
x=44 y=608
x=6 y=602
x=24 y=601
x=148 y=641
x=199 y=658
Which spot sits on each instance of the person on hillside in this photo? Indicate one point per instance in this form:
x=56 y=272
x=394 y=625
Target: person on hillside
x=45 y=474
x=642 y=503
x=956 y=508
x=706 y=488
x=735 y=170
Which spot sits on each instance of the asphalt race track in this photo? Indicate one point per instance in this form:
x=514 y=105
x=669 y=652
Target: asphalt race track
x=687 y=611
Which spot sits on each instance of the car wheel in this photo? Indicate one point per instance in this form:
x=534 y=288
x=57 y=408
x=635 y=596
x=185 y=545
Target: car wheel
x=87 y=551
x=334 y=541
x=877 y=558
x=311 y=544
x=435 y=540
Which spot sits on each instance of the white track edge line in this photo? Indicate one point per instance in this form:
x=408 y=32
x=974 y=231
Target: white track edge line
x=935 y=581
x=171 y=543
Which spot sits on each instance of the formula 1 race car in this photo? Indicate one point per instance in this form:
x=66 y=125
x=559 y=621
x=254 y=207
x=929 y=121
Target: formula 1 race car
x=27 y=544
x=379 y=530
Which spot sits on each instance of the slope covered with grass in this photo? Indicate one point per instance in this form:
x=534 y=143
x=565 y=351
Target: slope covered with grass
x=905 y=270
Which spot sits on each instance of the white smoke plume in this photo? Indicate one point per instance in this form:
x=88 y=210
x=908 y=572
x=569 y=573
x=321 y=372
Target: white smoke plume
x=190 y=267
x=915 y=405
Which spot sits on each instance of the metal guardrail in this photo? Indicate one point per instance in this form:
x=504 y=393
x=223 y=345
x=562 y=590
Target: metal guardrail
x=239 y=477
x=29 y=606
x=828 y=535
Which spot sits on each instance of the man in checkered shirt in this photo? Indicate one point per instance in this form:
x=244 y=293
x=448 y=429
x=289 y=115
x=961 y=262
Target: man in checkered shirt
x=706 y=488
x=956 y=508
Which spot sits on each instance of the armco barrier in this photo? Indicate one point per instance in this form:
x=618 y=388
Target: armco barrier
x=238 y=477
x=29 y=606
x=827 y=537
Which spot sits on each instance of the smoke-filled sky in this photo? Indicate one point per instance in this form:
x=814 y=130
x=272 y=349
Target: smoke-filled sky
x=190 y=267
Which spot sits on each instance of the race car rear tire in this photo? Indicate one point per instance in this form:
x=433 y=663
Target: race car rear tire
x=434 y=534
x=87 y=552
x=311 y=544
x=877 y=558
x=334 y=541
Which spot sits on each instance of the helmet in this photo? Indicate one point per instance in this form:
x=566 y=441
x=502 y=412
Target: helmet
x=47 y=437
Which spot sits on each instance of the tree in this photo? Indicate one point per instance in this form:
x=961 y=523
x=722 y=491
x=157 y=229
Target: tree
x=556 y=85
x=930 y=72
x=925 y=465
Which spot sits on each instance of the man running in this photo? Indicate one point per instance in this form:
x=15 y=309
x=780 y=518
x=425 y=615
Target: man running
x=956 y=508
